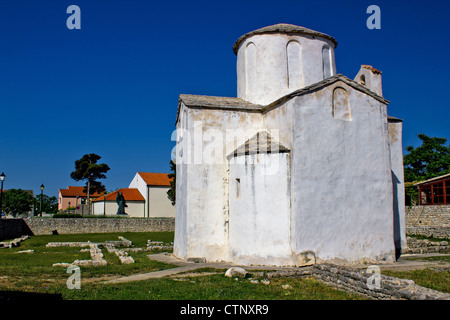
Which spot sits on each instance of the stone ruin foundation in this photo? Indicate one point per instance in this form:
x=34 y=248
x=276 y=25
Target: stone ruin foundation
x=361 y=282
x=421 y=246
x=13 y=243
x=352 y=280
x=97 y=255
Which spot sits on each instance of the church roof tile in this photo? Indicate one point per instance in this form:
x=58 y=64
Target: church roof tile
x=283 y=28
x=155 y=179
x=214 y=102
x=261 y=142
x=130 y=194
x=238 y=104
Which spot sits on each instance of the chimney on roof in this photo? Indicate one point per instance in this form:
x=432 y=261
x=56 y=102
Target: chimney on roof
x=370 y=77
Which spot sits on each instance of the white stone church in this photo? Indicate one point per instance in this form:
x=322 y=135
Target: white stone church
x=303 y=162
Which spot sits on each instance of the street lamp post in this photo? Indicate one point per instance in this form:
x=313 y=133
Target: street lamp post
x=42 y=195
x=2 y=178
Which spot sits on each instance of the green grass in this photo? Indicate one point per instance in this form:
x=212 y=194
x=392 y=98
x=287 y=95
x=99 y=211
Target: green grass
x=436 y=280
x=34 y=273
x=31 y=271
x=440 y=258
x=212 y=287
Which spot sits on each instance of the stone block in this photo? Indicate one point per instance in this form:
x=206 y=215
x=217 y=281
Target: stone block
x=197 y=260
x=236 y=272
x=306 y=258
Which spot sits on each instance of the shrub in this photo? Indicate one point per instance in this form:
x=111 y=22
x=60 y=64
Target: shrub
x=67 y=215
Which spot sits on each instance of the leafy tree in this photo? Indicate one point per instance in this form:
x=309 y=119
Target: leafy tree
x=171 y=193
x=17 y=201
x=429 y=160
x=89 y=170
x=49 y=204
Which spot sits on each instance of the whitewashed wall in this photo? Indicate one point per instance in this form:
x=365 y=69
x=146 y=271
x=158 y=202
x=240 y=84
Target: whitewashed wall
x=135 y=208
x=395 y=139
x=141 y=185
x=202 y=189
x=181 y=240
x=269 y=66
x=260 y=213
x=342 y=177
x=160 y=205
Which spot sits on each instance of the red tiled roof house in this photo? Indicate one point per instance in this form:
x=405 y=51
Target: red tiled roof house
x=73 y=195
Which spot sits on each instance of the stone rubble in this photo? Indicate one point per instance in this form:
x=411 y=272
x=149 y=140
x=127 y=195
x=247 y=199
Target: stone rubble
x=420 y=246
x=124 y=257
x=96 y=253
x=120 y=253
x=159 y=245
x=196 y=260
x=13 y=243
x=68 y=244
x=236 y=272
x=96 y=258
x=361 y=282
x=26 y=251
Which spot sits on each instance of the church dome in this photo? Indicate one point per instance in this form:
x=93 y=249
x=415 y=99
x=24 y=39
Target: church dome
x=276 y=60
x=283 y=28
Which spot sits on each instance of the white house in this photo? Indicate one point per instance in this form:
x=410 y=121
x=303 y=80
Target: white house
x=146 y=197
x=303 y=160
x=153 y=187
x=107 y=205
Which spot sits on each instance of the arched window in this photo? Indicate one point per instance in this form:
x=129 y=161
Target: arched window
x=341 y=105
x=326 y=62
x=294 y=65
x=250 y=67
x=362 y=80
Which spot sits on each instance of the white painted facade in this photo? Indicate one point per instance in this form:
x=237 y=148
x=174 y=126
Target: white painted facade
x=260 y=210
x=269 y=66
x=139 y=183
x=134 y=209
x=395 y=140
x=332 y=191
x=146 y=197
x=157 y=204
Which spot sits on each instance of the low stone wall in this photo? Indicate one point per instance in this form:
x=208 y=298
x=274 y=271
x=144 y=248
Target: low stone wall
x=435 y=232
x=13 y=228
x=421 y=246
x=370 y=284
x=429 y=221
x=41 y=226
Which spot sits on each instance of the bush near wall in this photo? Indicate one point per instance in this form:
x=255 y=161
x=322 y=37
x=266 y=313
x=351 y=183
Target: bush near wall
x=67 y=215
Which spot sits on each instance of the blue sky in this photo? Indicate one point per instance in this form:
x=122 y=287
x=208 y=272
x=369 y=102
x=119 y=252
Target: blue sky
x=112 y=87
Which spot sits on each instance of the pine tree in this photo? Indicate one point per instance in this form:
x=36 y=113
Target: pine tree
x=171 y=194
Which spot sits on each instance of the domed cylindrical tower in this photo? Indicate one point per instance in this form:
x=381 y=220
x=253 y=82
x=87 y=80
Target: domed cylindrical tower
x=276 y=60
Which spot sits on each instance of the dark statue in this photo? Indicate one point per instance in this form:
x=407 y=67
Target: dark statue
x=121 y=203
